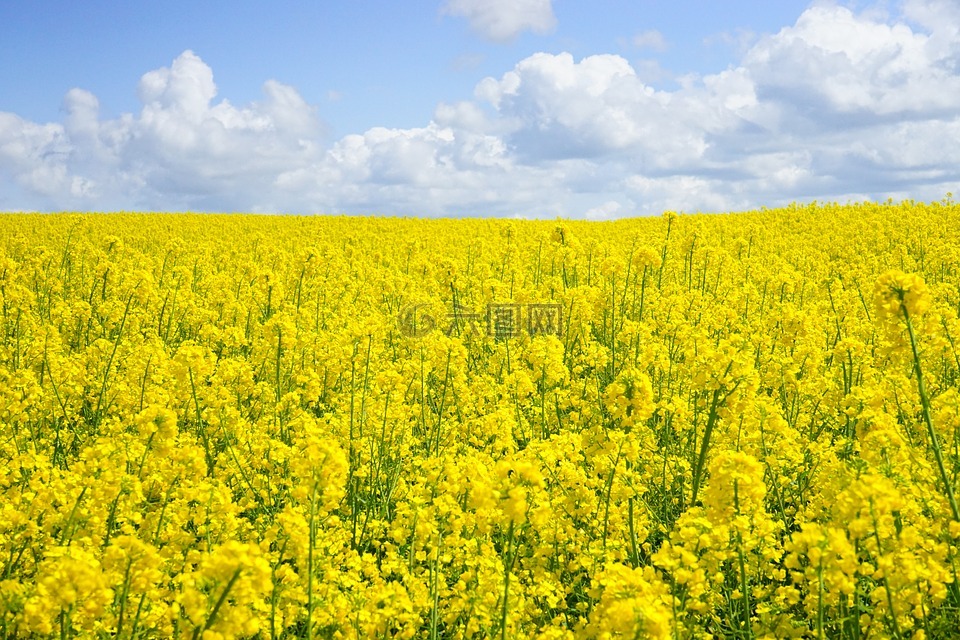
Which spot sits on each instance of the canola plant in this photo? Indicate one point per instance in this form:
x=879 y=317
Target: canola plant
x=690 y=426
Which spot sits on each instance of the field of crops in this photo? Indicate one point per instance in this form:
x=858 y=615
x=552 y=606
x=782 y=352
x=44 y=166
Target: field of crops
x=742 y=425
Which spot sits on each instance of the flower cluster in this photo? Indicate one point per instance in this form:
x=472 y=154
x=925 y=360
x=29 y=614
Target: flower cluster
x=225 y=427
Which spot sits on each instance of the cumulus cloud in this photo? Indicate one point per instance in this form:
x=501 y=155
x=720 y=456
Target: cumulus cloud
x=183 y=149
x=839 y=105
x=503 y=20
x=839 y=63
x=599 y=108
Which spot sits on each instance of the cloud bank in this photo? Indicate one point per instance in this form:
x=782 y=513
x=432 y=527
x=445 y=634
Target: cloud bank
x=838 y=106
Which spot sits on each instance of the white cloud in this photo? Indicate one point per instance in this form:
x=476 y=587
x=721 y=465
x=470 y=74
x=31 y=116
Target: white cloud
x=605 y=211
x=598 y=108
x=682 y=193
x=503 y=20
x=939 y=17
x=740 y=40
x=836 y=61
x=838 y=105
x=34 y=154
x=182 y=149
x=650 y=39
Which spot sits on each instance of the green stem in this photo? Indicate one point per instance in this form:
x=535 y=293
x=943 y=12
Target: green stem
x=634 y=547
x=925 y=405
x=507 y=567
x=704 y=446
x=106 y=372
x=311 y=544
x=820 y=600
x=208 y=454
x=198 y=632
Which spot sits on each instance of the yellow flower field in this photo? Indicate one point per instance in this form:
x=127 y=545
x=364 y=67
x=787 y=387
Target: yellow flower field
x=690 y=426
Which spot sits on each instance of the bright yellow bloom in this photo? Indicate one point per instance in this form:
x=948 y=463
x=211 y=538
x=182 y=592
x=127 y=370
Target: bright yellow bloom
x=222 y=426
x=896 y=293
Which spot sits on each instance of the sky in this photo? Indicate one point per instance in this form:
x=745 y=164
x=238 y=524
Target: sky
x=510 y=108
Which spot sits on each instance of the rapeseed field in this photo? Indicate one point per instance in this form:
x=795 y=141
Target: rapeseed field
x=690 y=426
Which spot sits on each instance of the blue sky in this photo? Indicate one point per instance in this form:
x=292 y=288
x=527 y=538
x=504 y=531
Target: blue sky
x=530 y=108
